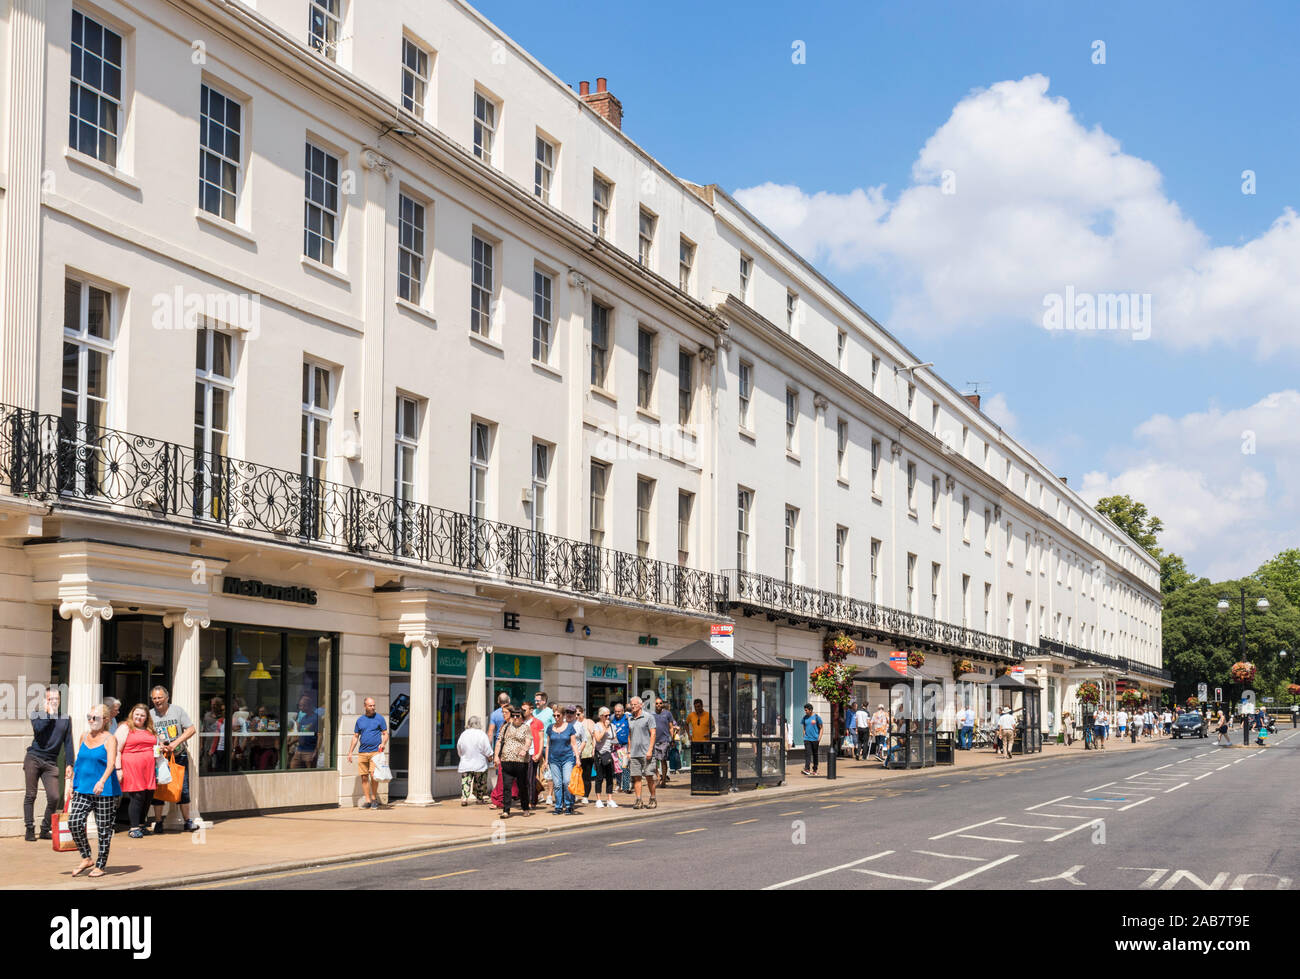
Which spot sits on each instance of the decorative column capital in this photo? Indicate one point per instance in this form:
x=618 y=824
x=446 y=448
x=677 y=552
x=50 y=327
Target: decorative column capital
x=578 y=280
x=949 y=483
x=189 y=618
x=373 y=161
x=485 y=648
x=997 y=511
x=707 y=355
x=820 y=402
x=896 y=448
x=88 y=609
x=724 y=342
x=428 y=640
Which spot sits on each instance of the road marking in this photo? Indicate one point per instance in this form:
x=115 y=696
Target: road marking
x=1097 y=787
x=454 y=873
x=1239 y=761
x=1075 y=829
x=1170 y=765
x=954 y=832
x=1059 y=815
x=551 y=857
x=1177 y=787
x=950 y=856
x=823 y=873
x=1041 y=804
x=832 y=806
x=1199 y=777
x=626 y=842
x=792 y=812
x=1222 y=767
x=1136 y=774
x=1138 y=803
x=1026 y=826
x=991 y=839
x=742 y=822
x=971 y=873
x=1065 y=805
x=877 y=873
x=685 y=832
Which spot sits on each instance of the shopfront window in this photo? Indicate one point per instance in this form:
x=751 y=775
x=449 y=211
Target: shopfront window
x=450 y=721
x=217 y=722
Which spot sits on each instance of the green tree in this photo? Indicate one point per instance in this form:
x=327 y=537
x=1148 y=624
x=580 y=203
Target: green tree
x=1174 y=574
x=1131 y=516
x=1283 y=573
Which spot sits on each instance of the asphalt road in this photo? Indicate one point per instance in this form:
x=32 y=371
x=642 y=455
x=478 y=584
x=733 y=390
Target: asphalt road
x=1184 y=816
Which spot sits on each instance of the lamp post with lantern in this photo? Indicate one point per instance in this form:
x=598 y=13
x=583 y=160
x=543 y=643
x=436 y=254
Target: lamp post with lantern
x=1261 y=605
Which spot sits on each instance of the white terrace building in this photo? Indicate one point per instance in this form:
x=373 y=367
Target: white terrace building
x=347 y=354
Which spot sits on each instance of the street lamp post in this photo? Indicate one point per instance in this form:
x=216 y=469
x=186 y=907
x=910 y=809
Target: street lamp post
x=1261 y=605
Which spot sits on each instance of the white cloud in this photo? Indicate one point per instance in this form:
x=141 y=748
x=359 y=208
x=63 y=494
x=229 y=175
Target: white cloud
x=996 y=408
x=1042 y=203
x=1226 y=483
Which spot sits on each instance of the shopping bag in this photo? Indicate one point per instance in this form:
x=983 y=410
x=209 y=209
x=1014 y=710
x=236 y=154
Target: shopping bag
x=575 y=781
x=163 y=773
x=59 y=827
x=171 y=791
x=379 y=769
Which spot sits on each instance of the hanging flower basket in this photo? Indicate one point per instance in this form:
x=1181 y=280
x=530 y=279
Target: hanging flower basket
x=1293 y=689
x=834 y=681
x=961 y=667
x=1192 y=702
x=1130 y=697
x=916 y=660
x=836 y=648
x=1243 y=672
x=1089 y=692
x=1004 y=669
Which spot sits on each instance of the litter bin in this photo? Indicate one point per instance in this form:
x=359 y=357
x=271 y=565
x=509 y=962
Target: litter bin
x=943 y=748
x=706 y=768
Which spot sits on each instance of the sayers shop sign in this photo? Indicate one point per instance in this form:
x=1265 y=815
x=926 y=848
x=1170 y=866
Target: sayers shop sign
x=252 y=588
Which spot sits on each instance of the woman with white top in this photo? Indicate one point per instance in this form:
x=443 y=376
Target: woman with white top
x=475 y=752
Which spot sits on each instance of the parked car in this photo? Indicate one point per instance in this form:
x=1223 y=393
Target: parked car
x=1192 y=725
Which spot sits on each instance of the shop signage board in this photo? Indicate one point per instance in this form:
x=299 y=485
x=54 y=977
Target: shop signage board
x=1018 y=673
x=722 y=637
x=451 y=662
x=607 y=671
x=511 y=666
x=898 y=661
x=252 y=588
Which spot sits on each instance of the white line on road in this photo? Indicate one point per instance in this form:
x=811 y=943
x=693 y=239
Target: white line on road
x=1065 y=805
x=1170 y=765
x=823 y=873
x=1041 y=804
x=1136 y=774
x=1060 y=815
x=1199 y=777
x=1096 y=787
x=1026 y=826
x=1222 y=767
x=1177 y=787
x=971 y=873
x=950 y=856
x=954 y=832
x=1132 y=804
x=877 y=873
x=1075 y=829
x=990 y=839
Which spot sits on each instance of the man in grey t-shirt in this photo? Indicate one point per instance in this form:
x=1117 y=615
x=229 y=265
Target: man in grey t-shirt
x=640 y=749
x=174 y=728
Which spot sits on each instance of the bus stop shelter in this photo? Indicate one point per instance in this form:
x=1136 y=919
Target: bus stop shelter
x=1025 y=698
x=745 y=695
x=914 y=723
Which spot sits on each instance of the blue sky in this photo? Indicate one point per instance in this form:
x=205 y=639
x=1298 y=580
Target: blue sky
x=1140 y=174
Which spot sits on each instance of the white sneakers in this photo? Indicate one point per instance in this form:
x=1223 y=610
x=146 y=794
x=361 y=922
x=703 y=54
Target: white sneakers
x=600 y=804
x=611 y=804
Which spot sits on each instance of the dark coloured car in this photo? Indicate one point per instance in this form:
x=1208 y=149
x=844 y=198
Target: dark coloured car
x=1191 y=725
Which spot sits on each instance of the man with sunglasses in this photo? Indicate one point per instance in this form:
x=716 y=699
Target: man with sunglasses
x=50 y=734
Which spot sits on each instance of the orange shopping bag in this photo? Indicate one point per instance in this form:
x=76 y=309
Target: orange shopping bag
x=59 y=826
x=171 y=792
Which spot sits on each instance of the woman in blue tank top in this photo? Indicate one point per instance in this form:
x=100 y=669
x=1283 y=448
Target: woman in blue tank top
x=561 y=752
x=94 y=788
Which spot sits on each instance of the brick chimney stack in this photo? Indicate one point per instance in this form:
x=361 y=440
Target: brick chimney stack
x=973 y=399
x=603 y=102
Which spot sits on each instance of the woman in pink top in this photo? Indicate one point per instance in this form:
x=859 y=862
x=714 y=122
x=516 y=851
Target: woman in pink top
x=139 y=767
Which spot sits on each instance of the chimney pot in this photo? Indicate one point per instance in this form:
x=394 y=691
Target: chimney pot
x=600 y=84
x=973 y=399
x=584 y=88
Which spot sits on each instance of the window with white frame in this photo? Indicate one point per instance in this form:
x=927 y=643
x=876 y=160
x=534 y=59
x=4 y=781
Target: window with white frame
x=988 y=607
x=1029 y=558
x=965 y=519
x=220 y=148
x=875 y=467
x=485 y=127
x=482 y=286
x=746 y=272
x=645 y=489
x=791 y=542
x=645 y=237
x=544 y=169
x=988 y=530
x=1029 y=621
x=94 y=126
x=911 y=487
x=791 y=419
x=410 y=249
x=1011 y=537
x=480 y=457
x=934 y=500
x=317 y=413
x=936 y=575
x=965 y=439
x=875 y=373
x=791 y=308
x=541 y=474
x=543 y=315
x=602 y=194
x=599 y=343
x=685 y=385
x=911 y=398
x=934 y=419
x=874 y=595
x=685 y=504
x=1011 y=616
x=841 y=348
x=911 y=582
x=745 y=388
x=685 y=262
x=744 y=505
x=415 y=77
x=89 y=327
x=965 y=601
x=214 y=388
x=645 y=367
x=599 y=484
x=324 y=26
x=406 y=444
x=841 y=559
x=841 y=446
x=321 y=221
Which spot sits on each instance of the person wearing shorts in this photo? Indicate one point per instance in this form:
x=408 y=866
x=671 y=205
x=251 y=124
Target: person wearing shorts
x=371 y=734
x=641 y=762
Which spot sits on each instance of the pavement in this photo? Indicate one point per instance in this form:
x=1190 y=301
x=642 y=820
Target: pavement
x=276 y=843
x=1175 y=816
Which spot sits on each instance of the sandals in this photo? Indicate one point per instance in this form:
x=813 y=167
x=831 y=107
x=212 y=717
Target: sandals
x=639 y=805
x=97 y=872
x=84 y=866
x=653 y=803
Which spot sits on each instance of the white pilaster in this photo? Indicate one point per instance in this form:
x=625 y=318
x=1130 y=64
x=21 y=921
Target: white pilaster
x=85 y=687
x=185 y=626
x=419 y=791
x=476 y=685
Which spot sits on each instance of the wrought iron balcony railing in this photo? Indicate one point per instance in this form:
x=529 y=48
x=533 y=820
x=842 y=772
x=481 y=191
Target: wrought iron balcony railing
x=1121 y=663
x=828 y=609
x=48 y=459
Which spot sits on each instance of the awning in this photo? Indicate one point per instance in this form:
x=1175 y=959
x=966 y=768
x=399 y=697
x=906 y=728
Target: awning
x=886 y=676
x=1013 y=684
x=974 y=678
x=700 y=655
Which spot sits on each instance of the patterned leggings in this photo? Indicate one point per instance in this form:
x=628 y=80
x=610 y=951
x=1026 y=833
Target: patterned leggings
x=105 y=809
x=473 y=785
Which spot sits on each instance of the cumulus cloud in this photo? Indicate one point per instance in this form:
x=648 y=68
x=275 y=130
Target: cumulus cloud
x=996 y=408
x=1226 y=483
x=1012 y=200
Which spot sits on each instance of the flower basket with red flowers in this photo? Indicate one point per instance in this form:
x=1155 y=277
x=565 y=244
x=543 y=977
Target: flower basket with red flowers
x=961 y=667
x=836 y=648
x=916 y=660
x=1192 y=701
x=1089 y=692
x=1243 y=672
x=834 y=681
x=1004 y=669
x=1130 y=697
x=1293 y=689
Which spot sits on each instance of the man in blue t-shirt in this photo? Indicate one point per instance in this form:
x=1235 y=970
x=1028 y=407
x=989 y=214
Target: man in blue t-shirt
x=620 y=722
x=812 y=734
x=371 y=733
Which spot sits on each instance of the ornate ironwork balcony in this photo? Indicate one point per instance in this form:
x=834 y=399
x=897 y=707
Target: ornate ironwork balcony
x=1121 y=663
x=46 y=458
x=822 y=608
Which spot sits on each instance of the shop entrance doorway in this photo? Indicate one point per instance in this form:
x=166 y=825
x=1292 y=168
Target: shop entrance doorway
x=604 y=695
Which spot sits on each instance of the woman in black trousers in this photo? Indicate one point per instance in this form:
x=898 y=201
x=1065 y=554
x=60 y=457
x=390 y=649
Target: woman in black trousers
x=514 y=750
